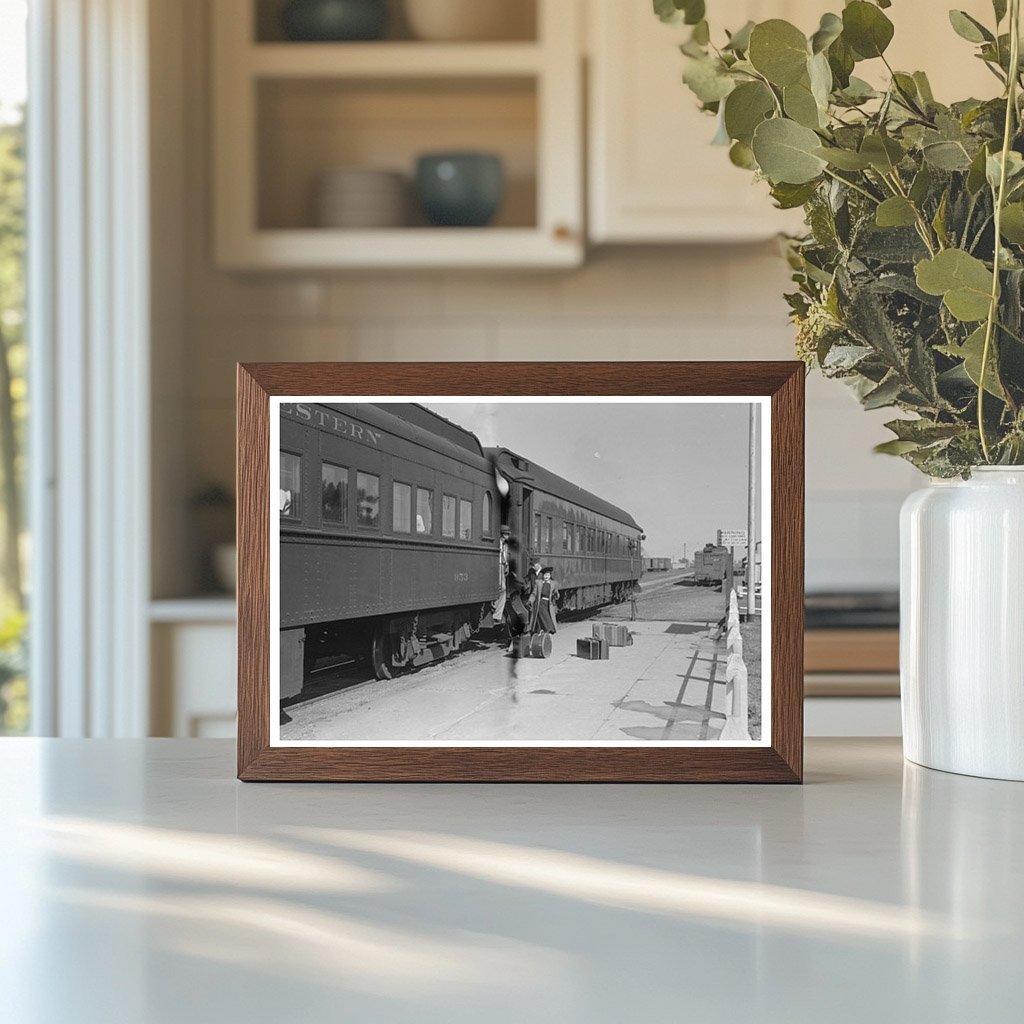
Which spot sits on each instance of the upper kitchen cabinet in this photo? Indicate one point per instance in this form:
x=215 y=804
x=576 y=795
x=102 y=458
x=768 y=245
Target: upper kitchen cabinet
x=653 y=174
x=316 y=142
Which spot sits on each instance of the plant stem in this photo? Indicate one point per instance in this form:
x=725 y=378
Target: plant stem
x=854 y=186
x=993 y=309
x=922 y=225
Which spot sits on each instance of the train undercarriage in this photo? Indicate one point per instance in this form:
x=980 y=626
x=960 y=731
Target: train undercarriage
x=391 y=643
x=396 y=643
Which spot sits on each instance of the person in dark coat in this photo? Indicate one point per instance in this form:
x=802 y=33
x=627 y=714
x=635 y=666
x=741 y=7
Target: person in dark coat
x=544 y=603
x=513 y=613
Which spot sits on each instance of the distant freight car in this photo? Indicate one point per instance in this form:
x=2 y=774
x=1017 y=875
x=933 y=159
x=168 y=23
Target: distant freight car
x=711 y=565
x=657 y=564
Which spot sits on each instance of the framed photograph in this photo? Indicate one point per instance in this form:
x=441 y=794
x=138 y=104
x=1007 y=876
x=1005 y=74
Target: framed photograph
x=550 y=572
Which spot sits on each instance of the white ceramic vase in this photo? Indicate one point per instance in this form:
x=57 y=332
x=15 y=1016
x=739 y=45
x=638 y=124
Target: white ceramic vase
x=962 y=624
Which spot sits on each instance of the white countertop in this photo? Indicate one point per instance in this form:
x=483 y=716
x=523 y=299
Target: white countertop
x=143 y=885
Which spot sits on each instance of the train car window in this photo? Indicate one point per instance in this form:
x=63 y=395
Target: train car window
x=536 y=531
x=424 y=511
x=334 y=494
x=548 y=532
x=581 y=539
x=401 y=508
x=488 y=514
x=566 y=537
x=368 y=492
x=465 y=519
x=290 y=487
x=447 y=515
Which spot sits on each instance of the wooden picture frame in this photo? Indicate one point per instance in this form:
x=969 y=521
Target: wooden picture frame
x=780 y=385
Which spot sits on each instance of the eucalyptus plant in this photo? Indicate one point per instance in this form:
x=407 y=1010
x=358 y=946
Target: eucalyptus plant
x=910 y=278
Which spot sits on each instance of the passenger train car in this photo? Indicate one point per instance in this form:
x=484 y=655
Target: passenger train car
x=593 y=547
x=390 y=519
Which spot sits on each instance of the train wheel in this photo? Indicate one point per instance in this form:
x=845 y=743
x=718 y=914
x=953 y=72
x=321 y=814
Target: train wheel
x=380 y=650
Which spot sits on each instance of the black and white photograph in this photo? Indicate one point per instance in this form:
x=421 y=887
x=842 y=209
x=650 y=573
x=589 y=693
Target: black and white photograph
x=460 y=572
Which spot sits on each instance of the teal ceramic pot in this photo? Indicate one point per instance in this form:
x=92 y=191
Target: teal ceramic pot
x=461 y=190
x=334 y=20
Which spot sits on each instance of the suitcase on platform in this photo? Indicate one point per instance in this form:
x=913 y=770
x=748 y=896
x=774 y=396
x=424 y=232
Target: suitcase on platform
x=615 y=634
x=540 y=645
x=592 y=649
x=536 y=646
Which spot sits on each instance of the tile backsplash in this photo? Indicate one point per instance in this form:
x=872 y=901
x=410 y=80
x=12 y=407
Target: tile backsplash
x=719 y=302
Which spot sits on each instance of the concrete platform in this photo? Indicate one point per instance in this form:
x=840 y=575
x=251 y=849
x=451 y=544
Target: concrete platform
x=669 y=685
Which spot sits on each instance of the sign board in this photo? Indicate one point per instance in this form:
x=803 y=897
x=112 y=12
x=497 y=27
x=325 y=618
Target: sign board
x=732 y=538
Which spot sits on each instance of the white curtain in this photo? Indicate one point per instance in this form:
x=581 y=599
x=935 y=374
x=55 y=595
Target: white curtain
x=89 y=343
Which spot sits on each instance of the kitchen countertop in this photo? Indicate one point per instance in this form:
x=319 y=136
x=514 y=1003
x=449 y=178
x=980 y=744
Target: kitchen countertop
x=142 y=884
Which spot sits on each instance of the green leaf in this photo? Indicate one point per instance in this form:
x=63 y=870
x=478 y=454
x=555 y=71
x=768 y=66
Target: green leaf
x=789 y=197
x=844 y=159
x=963 y=281
x=785 y=152
x=745 y=108
x=883 y=153
x=866 y=29
x=741 y=155
x=739 y=41
x=701 y=33
x=801 y=106
x=830 y=29
x=1014 y=169
x=1012 y=225
x=858 y=91
x=939 y=220
x=999 y=7
x=922 y=185
x=976 y=174
x=885 y=394
x=896 y=447
x=841 y=60
x=778 y=50
x=923 y=431
x=924 y=87
x=708 y=80
x=947 y=156
x=676 y=12
x=896 y=212
x=969 y=28
x=820 y=76
x=971 y=352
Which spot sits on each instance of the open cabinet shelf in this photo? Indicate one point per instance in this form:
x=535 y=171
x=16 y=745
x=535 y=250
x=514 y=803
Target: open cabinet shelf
x=286 y=114
x=393 y=60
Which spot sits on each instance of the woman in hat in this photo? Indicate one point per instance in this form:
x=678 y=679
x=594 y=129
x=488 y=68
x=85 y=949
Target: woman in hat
x=544 y=603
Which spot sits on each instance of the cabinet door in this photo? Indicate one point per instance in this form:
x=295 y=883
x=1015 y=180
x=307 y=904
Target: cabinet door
x=654 y=175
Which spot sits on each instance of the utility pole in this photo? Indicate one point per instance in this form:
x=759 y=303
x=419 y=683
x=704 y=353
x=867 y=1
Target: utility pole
x=751 y=512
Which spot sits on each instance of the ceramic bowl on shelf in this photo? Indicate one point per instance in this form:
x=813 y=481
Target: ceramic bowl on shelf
x=361 y=198
x=334 y=20
x=470 y=20
x=460 y=189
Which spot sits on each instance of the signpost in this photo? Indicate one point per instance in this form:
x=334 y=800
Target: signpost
x=732 y=538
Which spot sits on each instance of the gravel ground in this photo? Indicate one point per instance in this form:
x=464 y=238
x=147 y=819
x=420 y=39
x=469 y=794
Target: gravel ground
x=751 y=633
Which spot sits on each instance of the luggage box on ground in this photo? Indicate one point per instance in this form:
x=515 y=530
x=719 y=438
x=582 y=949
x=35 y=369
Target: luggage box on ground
x=615 y=634
x=536 y=646
x=592 y=649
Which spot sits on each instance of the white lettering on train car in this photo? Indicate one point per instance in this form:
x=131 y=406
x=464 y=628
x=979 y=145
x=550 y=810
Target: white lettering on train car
x=331 y=421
